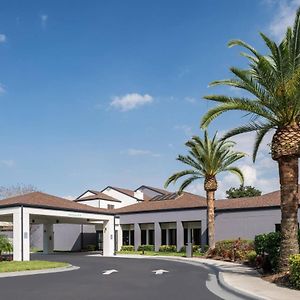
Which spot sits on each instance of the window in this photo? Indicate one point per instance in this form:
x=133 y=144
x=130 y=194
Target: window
x=143 y=237
x=131 y=237
x=125 y=237
x=172 y=237
x=164 y=237
x=197 y=236
x=185 y=236
x=151 y=237
x=110 y=206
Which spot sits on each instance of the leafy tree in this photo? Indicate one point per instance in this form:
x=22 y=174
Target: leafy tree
x=272 y=82
x=16 y=190
x=5 y=244
x=242 y=191
x=207 y=158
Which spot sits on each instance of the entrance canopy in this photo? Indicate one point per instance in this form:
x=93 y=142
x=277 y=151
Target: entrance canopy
x=40 y=208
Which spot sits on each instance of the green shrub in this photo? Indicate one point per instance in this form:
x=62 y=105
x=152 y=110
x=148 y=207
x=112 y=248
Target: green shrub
x=268 y=247
x=196 y=248
x=146 y=248
x=127 y=248
x=5 y=244
x=90 y=247
x=167 y=248
x=251 y=257
x=294 y=262
x=232 y=249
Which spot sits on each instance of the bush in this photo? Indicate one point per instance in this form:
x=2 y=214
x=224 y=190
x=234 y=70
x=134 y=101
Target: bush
x=268 y=247
x=90 y=247
x=196 y=248
x=146 y=248
x=5 y=244
x=294 y=262
x=127 y=248
x=251 y=257
x=166 y=248
x=232 y=249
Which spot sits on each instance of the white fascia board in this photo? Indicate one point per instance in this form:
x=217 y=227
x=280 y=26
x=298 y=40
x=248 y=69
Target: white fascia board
x=69 y=214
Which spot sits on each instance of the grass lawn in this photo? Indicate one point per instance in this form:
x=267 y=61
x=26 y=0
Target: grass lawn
x=14 y=266
x=152 y=253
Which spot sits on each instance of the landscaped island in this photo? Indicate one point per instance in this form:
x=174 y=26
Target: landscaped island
x=16 y=266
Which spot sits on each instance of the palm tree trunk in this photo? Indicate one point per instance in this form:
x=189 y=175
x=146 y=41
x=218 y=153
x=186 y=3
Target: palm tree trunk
x=210 y=198
x=288 y=173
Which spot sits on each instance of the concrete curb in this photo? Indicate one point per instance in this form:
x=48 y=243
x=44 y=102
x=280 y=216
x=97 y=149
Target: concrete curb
x=37 y=272
x=215 y=269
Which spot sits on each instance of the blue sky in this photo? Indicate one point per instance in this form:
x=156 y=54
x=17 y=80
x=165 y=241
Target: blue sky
x=106 y=92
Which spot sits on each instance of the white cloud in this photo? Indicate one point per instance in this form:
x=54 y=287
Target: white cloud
x=2 y=89
x=44 y=19
x=141 y=152
x=9 y=163
x=130 y=101
x=188 y=130
x=2 y=38
x=190 y=100
x=69 y=197
x=284 y=16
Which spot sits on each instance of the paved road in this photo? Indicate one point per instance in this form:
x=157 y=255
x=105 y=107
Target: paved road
x=134 y=280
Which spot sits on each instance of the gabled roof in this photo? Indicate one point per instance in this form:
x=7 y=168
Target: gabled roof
x=96 y=196
x=42 y=200
x=157 y=190
x=264 y=201
x=91 y=191
x=172 y=201
x=126 y=192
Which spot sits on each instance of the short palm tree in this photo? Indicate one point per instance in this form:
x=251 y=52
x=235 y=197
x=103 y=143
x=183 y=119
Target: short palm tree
x=206 y=159
x=273 y=85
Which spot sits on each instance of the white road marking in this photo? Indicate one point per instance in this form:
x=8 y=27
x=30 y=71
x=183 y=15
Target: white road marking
x=108 y=272
x=160 y=272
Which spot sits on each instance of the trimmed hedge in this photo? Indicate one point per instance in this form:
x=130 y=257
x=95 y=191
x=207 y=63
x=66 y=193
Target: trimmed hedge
x=127 y=248
x=167 y=248
x=294 y=262
x=146 y=248
x=196 y=248
x=236 y=250
x=267 y=246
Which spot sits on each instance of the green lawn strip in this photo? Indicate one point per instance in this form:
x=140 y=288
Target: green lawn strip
x=16 y=266
x=152 y=253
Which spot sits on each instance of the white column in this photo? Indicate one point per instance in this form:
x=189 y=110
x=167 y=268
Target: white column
x=137 y=236
x=109 y=237
x=157 y=235
x=48 y=238
x=21 y=235
x=120 y=238
x=180 y=235
x=147 y=236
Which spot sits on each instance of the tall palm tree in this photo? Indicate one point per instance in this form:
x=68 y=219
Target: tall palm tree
x=206 y=159
x=273 y=84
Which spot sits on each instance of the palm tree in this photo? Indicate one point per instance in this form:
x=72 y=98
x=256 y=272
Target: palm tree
x=207 y=158
x=273 y=85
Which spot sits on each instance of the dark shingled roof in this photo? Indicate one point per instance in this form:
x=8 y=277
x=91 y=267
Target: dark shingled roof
x=267 y=200
x=42 y=200
x=174 y=201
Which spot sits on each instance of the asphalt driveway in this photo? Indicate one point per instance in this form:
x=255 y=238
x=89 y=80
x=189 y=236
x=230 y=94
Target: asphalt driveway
x=134 y=280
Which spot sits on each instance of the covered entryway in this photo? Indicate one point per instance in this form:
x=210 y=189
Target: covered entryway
x=40 y=208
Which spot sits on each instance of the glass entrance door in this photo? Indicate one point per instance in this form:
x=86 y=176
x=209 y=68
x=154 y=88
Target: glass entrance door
x=100 y=240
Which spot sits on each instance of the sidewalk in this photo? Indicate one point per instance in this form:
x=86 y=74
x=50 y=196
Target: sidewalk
x=237 y=278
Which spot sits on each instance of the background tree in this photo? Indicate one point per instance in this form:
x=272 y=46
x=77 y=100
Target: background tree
x=16 y=190
x=273 y=81
x=242 y=191
x=207 y=158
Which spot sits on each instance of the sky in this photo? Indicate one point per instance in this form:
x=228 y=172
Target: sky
x=104 y=93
